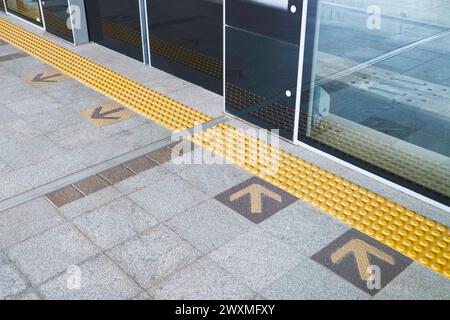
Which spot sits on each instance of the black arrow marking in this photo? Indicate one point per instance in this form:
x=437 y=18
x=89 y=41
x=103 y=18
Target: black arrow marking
x=98 y=115
x=39 y=78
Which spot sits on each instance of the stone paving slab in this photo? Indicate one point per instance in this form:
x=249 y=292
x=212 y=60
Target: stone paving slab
x=100 y=278
x=310 y=281
x=51 y=253
x=210 y=225
x=11 y=282
x=153 y=255
x=114 y=223
x=27 y=220
x=170 y=196
x=257 y=258
x=304 y=227
x=203 y=280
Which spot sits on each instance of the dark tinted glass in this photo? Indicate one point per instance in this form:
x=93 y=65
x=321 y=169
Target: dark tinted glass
x=26 y=9
x=271 y=18
x=186 y=39
x=116 y=24
x=262 y=53
x=57 y=18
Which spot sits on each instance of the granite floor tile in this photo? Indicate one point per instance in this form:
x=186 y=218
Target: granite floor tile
x=304 y=227
x=11 y=282
x=100 y=279
x=257 y=258
x=87 y=203
x=27 y=220
x=417 y=283
x=210 y=225
x=114 y=223
x=215 y=178
x=170 y=196
x=63 y=246
x=203 y=280
x=153 y=255
x=144 y=179
x=311 y=281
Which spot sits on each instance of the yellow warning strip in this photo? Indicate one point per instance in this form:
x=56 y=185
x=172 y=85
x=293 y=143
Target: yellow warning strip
x=159 y=108
x=414 y=235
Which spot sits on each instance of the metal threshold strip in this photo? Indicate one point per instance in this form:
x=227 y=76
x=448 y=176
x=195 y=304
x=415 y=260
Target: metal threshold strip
x=410 y=233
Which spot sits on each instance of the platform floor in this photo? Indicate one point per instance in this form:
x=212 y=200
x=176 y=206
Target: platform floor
x=124 y=213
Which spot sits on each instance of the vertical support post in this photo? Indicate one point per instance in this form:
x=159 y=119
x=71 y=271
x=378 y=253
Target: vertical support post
x=144 y=31
x=80 y=32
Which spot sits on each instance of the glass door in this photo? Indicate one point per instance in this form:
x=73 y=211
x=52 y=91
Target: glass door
x=29 y=10
x=378 y=94
x=262 y=39
x=116 y=24
x=186 y=39
x=57 y=18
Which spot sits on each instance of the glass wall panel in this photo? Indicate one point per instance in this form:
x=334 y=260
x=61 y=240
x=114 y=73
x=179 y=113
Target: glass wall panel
x=186 y=39
x=2 y=5
x=26 y=9
x=380 y=91
x=262 y=53
x=57 y=18
x=116 y=24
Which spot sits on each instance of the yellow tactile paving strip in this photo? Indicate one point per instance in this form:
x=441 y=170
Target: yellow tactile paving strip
x=160 y=109
x=412 y=234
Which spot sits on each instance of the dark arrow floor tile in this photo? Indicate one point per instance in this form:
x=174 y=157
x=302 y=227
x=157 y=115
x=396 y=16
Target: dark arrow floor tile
x=256 y=199
x=91 y=184
x=352 y=254
x=64 y=196
x=116 y=174
x=140 y=164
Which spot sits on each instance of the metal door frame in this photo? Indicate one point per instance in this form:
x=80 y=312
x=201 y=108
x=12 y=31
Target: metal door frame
x=144 y=31
x=301 y=59
x=300 y=72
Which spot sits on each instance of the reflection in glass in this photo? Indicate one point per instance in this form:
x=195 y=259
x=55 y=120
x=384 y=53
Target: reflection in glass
x=116 y=24
x=262 y=52
x=2 y=6
x=381 y=88
x=186 y=40
x=57 y=18
x=26 y=9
